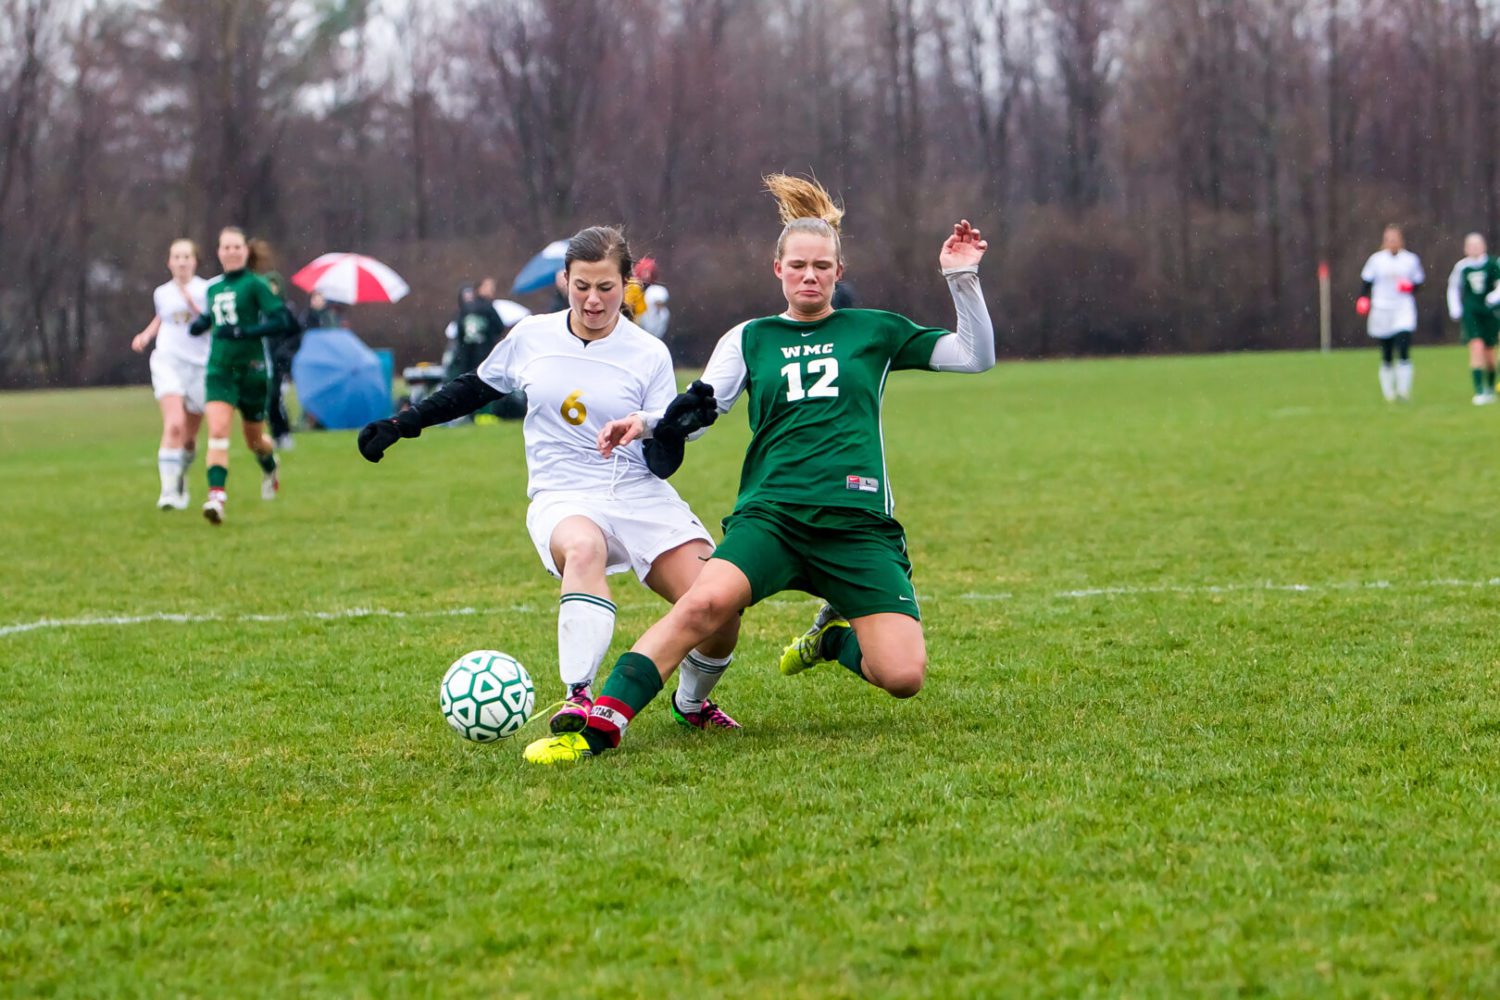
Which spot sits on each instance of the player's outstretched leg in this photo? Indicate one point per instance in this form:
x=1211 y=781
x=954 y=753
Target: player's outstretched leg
x=814 y=646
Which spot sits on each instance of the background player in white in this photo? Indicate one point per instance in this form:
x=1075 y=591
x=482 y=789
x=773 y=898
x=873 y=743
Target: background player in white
x=1391 y=278
x=591 y=516
x=177 y=364
x=657 y=314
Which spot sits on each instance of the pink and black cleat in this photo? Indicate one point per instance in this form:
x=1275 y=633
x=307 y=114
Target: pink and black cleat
x=574 y=714
x=710 y=716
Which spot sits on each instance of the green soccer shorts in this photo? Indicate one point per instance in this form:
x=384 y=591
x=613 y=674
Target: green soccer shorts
x=1484 y=326
x=853 y=559
x=245 y=385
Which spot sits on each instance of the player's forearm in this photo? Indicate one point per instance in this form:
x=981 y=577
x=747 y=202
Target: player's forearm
x=458 y=398
x=971 y=347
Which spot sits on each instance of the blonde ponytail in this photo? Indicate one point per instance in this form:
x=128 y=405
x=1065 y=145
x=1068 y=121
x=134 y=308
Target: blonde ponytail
x=805 y=207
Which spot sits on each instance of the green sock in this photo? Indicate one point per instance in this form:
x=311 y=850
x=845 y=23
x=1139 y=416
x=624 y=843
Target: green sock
x=218 y=475
x=267 y=461
x=631 y=686
x=1489 y=378
x=1477 y=374
x=843 y=645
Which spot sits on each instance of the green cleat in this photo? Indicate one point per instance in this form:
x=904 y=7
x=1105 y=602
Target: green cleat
x=566 y=748
x=806 y=651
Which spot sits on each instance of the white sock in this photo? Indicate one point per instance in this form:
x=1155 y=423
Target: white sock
x=170 y=467
x=585 y=625
x=1388 y=381
x=696 y=678
x=1403 y=379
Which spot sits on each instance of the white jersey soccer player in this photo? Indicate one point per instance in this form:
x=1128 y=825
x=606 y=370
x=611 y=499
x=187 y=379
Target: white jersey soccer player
x=1391 y=277
x=178 y=369
x=179 y=359
x=590 y=516
x=573 y=388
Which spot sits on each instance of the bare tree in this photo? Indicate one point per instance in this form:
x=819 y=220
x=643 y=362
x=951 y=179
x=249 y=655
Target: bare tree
x=1081 y=30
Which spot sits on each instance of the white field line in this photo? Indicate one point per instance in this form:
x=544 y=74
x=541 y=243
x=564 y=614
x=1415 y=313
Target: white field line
x=1241 y=588
x=465 y=612
x=50 y=623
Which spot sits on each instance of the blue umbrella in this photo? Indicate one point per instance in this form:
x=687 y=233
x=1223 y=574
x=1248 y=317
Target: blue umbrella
x=339 y=380
x=540 y=270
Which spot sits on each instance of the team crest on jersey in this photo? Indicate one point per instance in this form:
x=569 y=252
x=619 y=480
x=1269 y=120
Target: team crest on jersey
x=862 y=484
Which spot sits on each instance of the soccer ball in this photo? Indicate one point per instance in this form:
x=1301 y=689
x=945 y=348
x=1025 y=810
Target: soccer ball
x=486 y=696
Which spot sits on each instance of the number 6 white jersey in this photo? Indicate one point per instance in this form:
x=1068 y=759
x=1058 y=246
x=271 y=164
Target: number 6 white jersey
x=573 y=388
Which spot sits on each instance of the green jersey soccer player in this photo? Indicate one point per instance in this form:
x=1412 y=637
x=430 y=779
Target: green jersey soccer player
x=242 y=311
x=1473 y=294
x=814 y=511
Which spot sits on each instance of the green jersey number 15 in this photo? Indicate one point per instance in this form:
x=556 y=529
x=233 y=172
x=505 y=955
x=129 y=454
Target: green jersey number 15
x=827 y=369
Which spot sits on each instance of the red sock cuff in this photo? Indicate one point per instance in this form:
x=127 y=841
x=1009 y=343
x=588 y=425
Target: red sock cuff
x=610 y=716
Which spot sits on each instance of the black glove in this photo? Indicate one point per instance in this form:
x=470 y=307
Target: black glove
x=691 y=411
x=201 y=324
x=229 y=332
x=378 y=435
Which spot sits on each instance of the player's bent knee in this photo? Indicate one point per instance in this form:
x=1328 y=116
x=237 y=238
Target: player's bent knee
x=584 y=553
x=704 y=611
x=903 y=680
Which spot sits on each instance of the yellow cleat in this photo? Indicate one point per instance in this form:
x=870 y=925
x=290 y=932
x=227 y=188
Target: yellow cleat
x=806 y=651
x=568 y=748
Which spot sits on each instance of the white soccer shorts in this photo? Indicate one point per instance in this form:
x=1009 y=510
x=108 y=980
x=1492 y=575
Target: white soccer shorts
x=636 y=530
x=174 y=377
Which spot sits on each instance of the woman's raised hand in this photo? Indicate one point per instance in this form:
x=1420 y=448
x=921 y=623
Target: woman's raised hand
x=964 y=248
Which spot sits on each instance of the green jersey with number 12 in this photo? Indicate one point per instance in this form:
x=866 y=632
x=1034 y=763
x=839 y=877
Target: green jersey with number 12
x=814 y=395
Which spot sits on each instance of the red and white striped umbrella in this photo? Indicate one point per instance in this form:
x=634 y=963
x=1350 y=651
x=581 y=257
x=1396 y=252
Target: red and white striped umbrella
x=351 y=278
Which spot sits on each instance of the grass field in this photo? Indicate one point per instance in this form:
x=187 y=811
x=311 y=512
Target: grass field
x=1213 y=710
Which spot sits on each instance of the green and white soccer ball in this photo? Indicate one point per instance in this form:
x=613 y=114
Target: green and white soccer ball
x=486 y=696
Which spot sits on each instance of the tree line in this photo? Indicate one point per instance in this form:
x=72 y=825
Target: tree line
x=1154 y=175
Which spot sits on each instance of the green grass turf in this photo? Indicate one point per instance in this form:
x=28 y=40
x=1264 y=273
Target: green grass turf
x=1195 y=782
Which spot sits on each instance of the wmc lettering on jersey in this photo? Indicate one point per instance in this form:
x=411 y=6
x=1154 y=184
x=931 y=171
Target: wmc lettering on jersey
x=806 y=350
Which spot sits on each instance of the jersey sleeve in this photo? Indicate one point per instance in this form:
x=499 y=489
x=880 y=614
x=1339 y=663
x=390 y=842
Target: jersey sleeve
x=912 y=345
x=501 y=369
x=1417 y=274
x=1368 y=274
x=726 y=372
x=662 y=388
x=1455 y=300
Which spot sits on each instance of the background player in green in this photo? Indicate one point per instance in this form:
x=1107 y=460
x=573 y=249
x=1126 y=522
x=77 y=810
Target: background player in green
x=242 y=311
x=814 y=510
x=1473 y=294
